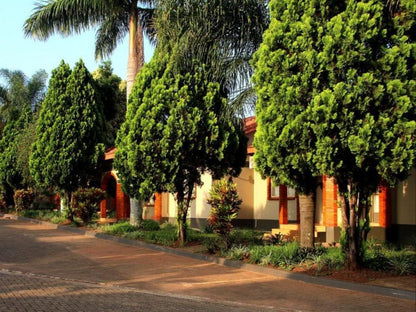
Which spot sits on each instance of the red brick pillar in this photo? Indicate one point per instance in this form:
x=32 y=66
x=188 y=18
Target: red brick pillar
x=103 y=208
x=158 y=207
x=384 y=206
x=283 y=216
x=123 y=204
x=329 y=197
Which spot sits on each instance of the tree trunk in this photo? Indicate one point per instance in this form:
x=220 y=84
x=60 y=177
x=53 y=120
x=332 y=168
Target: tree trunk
x=181 y=218
x=67 y=203
x=136 y=212
x=307 y=220
x=350 y=224
x=136 y=49
x=134 y=64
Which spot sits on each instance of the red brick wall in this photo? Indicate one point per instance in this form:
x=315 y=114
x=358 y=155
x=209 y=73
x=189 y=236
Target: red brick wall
x=158 y=206
x=329 y=198
x=384 y=206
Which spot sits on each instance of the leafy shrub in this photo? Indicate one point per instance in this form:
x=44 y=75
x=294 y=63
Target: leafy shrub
x=257 y=253
x=245 y=237
x=195 y=235
x=119 y=228
x=150 y=225
x=375 y=258
x=3 y=203
x=23 y=199
x=165 y=238
x=86 y=201
x=224 y=203
x=239 y=252
x=168 y=226
x=212 y=242
x=274 y=239
x=402 y=261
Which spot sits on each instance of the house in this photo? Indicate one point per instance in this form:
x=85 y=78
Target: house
x=276 y=208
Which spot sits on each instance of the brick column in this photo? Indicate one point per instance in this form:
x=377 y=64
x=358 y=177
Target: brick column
x=384 y=206
x=283 y=216
x=123 y=204
x=103 y=208
x=158 y=207
x=330 y=208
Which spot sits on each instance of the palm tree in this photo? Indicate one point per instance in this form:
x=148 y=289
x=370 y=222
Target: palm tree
x=222 y=34
x=114 y=20
x=20 y=91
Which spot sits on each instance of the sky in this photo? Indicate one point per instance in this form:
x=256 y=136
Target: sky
x=28 y=55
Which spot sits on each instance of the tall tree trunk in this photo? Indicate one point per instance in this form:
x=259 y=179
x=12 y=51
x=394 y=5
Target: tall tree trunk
x=307 y=220
x=181 y=218
x=136 y=212
x=67 y=204
x=350 y=223
x=134 y=64
x=136 y=49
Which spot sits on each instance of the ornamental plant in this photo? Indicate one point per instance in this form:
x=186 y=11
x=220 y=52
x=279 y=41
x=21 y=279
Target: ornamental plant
x=85 y=202
x=23 y=199
x=225 y=204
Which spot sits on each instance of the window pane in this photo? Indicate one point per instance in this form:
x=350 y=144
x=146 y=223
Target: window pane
x=291 y=192
x=274 y=192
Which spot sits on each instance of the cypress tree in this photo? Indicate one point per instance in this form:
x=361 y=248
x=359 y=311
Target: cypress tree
x=336 y=96
x=68 y=131
x=173 y=133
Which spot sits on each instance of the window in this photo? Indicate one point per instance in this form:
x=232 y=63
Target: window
x=273 y=191
x=291 y=193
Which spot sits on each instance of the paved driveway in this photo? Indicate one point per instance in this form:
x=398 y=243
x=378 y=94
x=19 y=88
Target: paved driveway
x=46 y=269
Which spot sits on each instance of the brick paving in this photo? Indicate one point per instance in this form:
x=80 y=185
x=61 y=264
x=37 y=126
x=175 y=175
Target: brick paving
x=65 y=271
x=28 y=292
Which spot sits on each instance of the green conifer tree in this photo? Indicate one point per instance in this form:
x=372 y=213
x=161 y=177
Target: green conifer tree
x=337 y=96
x=174 y=132
x=10 y=175
x=68 y=132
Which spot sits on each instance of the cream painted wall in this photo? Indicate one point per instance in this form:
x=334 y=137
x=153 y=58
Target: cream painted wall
x=405 y=198
x=263 y=209
x=199 y=207
x=319 y=218
x=245 y=184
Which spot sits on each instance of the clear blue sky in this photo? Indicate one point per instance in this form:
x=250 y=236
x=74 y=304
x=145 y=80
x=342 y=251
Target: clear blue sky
x=29 y=55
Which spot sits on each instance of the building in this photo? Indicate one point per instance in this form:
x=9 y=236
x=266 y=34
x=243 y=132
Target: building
x=276 y=208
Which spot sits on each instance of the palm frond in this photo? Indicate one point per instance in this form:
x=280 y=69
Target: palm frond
x=66 y=16
x=110 y=33
x=146 y=18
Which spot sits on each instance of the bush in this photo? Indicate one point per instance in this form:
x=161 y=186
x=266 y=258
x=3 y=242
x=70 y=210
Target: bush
x=225 y=206
x=23 y=199
x=245 y=237
x=239 y=252
x=86 y=201
x=212 y=242
x=120 y=228
x=150 y=225
x=3 y=203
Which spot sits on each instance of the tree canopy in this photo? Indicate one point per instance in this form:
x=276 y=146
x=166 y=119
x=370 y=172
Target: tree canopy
x=113 y=20
x=336 y=96
x=111 y=92
x=10 y=143
x=174 y=132
x=20 y=91
x=68 y=131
